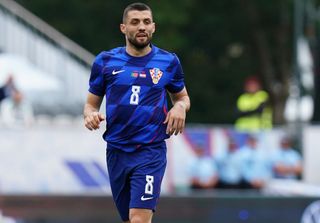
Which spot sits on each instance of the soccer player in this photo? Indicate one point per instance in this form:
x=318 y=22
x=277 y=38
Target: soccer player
x=135 y=80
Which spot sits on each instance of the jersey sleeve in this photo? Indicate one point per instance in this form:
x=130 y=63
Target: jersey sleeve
x=176 y=83
x=97 y=81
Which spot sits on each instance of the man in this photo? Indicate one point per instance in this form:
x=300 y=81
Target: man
x=134 y=80
x=256 y=167
x=287 y=162
x=254 y=113
x=16 y=111
x=229 y=167
x=202 y=170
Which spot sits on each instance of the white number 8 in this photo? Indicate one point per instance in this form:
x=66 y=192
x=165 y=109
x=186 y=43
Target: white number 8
x=134 y=99
x=149 y=185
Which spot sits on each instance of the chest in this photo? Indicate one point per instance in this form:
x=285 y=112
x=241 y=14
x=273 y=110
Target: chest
x=149 y=76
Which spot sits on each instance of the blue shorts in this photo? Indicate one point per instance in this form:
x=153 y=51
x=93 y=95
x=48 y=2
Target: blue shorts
x=135 y=177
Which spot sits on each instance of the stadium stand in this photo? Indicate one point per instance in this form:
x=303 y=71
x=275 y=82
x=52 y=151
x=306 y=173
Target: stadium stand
x=52 y=56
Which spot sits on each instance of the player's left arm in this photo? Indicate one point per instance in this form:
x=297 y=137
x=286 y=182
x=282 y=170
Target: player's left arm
x=176 y=117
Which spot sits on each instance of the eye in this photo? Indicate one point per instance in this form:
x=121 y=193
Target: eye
x=134 y=21
x=147 y=21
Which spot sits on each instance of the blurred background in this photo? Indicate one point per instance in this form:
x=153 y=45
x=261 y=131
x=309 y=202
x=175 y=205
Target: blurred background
x=250 y=150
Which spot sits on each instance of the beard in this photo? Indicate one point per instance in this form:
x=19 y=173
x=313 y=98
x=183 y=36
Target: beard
x=140 y=45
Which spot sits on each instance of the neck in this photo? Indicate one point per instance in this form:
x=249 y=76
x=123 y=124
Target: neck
x=137 y=52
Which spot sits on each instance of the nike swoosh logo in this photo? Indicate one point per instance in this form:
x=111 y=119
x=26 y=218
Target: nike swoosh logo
x=114 y=72
x=146 y=198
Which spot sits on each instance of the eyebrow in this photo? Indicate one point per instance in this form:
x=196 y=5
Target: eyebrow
x=138 y=19
x=135 y=18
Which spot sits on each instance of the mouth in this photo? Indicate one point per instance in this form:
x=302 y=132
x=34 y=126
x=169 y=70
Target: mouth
x=141 y=35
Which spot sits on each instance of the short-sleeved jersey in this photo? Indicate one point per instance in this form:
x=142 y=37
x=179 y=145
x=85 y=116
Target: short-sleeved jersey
x=135 y=90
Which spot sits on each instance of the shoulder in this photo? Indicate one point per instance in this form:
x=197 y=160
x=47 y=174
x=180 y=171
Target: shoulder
x=166 y=54
x=105 y=56
x=244 y=97
x=294 y=154
x=262 y=94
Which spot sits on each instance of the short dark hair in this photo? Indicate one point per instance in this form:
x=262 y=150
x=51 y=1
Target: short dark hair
x=135 y=6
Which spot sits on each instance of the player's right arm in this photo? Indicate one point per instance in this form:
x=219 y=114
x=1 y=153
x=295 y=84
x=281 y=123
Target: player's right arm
x=91 y=114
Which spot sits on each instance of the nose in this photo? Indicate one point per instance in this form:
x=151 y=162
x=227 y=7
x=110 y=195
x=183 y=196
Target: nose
x=142 y=27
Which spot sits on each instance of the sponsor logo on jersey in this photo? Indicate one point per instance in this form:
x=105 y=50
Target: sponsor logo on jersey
x=145 y=198
x=114 y=72
x=155 y=74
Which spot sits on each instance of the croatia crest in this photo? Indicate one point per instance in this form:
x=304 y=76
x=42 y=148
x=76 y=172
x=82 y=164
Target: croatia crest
x=156 y=74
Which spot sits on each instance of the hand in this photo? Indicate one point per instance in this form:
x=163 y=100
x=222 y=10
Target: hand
x=175 y=119
x=281 y=169
x=257 y=184
x=92 y=121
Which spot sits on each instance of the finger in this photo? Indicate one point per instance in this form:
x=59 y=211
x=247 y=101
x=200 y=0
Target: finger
x=167 y=118
x=96 y=120
x=95 y=127
x=90 y=122
x=92 y=125
x=173 y=129
x=173 y=126
x=87 y=125
x=102 y=117
x=178 y=129
x=169 y=123
x=169 y=126
x=183 y=125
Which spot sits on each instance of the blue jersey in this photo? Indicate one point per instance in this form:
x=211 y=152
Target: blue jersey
x=135 y=90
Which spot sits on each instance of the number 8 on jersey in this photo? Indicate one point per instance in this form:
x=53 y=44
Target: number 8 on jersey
x=134 y=98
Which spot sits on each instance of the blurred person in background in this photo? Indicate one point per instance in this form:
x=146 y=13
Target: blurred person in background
x=203 y=170
x=135 y=80
x=256 y=165
x=7 y=88
x=287 y=162
x=16 y=111
x=229 y=167
x=253 y=110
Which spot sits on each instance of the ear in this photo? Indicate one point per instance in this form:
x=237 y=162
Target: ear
x=154 y=28
x=123 y=28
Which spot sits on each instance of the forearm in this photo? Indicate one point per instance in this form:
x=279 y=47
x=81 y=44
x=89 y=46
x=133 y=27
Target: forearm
x=176 y=117
x=89 y=109
x=92 y=117
x=92 y=104
x=257 y=111
x=297 y=170
x=183 y=102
